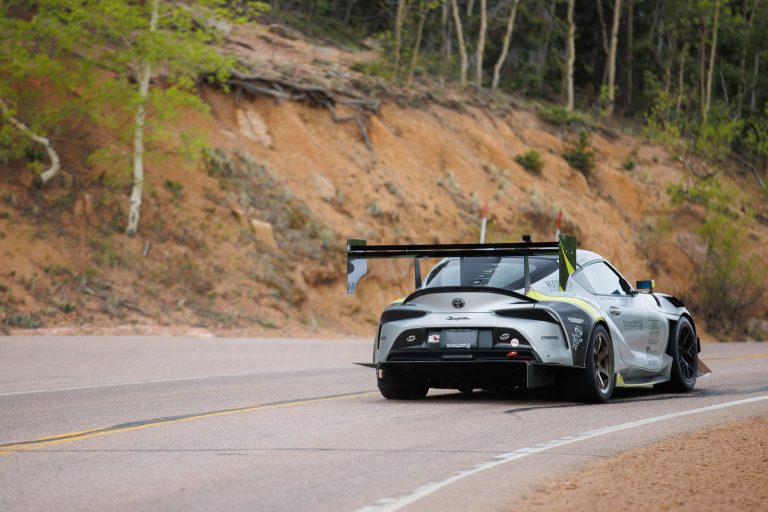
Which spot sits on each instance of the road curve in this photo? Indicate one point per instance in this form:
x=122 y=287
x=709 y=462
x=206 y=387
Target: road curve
x=275 y=424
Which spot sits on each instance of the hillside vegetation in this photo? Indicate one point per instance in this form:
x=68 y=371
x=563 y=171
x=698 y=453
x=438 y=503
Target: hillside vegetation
x=204 y=170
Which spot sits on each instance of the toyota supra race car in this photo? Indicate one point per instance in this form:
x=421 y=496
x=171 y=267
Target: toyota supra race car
x=530 y=314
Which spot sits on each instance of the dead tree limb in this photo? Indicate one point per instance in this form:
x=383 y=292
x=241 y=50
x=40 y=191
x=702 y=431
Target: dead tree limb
x=46 y=175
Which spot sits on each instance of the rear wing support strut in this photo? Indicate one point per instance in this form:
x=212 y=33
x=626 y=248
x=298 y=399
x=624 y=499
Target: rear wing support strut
x=358 y=254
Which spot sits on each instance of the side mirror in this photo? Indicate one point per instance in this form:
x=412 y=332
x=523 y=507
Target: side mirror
x=646 y=286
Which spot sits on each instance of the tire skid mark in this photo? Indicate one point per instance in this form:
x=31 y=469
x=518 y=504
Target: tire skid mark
x=6 y=449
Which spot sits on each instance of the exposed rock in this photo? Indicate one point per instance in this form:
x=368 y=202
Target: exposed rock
x=264 y=234
x=324 y=187
x=253 y=127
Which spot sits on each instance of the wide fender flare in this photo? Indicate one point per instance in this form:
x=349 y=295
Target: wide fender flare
x=578 y=319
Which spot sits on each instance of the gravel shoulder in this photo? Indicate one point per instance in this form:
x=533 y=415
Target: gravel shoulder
x=722 y=468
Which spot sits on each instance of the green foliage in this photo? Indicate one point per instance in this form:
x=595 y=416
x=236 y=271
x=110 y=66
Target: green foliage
x=730 y=281
x=580 y=156
x=629 y=164
x=716 y=137
x=661 y=121
x=756 y=136
x=63 y=61
x=531 y=161
x=559 y=116
x=24 y=321
x=376 y=68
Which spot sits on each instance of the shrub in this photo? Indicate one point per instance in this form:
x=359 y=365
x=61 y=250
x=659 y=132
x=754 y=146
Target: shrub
x=730 y=281
x=629 y=164
x=559 y=116
x=581 y=157
x=531 y=161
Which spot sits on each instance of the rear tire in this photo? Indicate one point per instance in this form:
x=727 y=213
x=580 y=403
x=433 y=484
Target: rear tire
x=394 y=387
x=683 y=350
x=466 y=390
x=595 y=383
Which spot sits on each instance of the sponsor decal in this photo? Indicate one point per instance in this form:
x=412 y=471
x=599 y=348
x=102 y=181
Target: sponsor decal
x=636 y=324
x=458 y=303
x=411 y=338
x=504 y=336
x=555 y=285
x=575 y=320
x=550 y=337
x=654 y=358
x=458 y=345
x=434 y=338
x=578 y=334
x=515 y=342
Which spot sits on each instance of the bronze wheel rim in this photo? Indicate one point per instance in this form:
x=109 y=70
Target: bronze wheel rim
x=603 y=359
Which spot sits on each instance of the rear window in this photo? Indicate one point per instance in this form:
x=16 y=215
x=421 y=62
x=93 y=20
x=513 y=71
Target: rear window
x=496 y=272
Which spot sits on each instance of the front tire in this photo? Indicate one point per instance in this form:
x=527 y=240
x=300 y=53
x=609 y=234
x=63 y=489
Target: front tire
x=595 y=383
x=683 y=350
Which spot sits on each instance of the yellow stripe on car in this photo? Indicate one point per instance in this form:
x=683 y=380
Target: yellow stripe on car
x=580 y=303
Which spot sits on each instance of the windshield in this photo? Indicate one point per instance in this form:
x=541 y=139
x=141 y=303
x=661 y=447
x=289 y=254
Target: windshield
x=496 y=272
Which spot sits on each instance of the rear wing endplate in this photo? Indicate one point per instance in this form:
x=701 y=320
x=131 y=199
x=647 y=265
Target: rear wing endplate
x=358 y=254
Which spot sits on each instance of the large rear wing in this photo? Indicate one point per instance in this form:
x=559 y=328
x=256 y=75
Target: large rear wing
x=358 y=254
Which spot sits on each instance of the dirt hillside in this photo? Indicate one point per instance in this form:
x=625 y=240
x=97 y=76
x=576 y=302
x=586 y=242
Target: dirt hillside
x=251 y=240
x=681 y=473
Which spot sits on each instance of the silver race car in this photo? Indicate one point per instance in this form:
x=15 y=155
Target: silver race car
x=526 y=314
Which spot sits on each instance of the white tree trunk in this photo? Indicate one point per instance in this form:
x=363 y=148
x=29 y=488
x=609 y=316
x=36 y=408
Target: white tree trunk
x=460 y=41
x=481 y=43
x=505 y=45
x=49 y=173
x=612 y=58
x=134 y=211
x=570 y=57
x=711 y=68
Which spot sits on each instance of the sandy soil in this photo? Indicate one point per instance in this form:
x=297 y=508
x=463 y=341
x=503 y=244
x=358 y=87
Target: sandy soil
x=681 y=473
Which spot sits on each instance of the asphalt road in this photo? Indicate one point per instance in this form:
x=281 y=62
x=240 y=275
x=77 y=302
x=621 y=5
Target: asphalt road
x=143 y=423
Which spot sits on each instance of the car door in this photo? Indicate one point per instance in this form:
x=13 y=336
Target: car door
x=627 y=311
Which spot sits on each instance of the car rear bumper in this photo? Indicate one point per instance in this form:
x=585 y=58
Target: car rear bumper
x=475 y=374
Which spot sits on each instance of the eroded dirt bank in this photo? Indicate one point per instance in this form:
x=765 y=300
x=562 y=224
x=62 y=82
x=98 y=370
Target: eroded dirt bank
x=252 y=240
x=718 y=469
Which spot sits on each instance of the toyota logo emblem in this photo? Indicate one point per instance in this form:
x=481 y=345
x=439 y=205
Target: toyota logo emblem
x=457 y=303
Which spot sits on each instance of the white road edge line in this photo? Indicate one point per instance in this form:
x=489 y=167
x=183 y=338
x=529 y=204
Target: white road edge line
x=162 y=381
x=393 y=504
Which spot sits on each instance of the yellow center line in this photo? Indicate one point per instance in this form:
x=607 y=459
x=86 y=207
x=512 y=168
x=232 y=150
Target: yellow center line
x=737 y=358
x=91 y=433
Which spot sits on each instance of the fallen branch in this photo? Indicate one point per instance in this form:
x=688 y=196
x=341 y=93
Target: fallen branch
x=313 y=96
x=695 y=174
x=46 y=175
